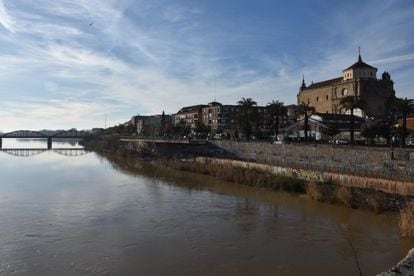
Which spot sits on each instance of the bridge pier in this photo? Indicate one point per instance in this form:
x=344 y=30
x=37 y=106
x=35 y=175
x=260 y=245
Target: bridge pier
x=1 y=143
x=49 y=143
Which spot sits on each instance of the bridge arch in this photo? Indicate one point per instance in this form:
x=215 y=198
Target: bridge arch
x=24 y=134
x=73 y=133
x=23 y=152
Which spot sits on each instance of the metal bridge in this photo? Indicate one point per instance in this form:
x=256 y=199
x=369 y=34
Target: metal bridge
x=30 y=134
x=22 y=152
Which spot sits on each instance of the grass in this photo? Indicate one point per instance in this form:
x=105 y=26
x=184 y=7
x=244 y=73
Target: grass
x=244 y=176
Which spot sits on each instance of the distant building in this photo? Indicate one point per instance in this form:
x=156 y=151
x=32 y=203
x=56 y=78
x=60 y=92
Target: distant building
x=357 y=80
x=189 y=115
x=219 y=117
x=292 y=112
x=97 y=131
x=150 y=125
x=410 y=123
x=222 y=118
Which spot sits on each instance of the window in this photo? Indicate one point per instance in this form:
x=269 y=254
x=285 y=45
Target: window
x=327 y=98
x=317 y=99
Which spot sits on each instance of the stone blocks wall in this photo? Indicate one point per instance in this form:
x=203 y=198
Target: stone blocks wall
x=383 y=163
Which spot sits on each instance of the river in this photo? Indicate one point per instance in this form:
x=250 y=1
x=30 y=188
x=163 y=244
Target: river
x=82 y=214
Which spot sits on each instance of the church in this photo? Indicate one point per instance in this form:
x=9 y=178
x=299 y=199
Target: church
x=360 y=79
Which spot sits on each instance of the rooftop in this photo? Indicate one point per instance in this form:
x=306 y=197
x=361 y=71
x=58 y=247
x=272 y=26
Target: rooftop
x=191 y=109
x=323 y=83
x=360 y=64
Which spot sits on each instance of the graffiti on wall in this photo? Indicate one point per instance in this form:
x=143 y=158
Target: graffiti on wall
x=309 y=175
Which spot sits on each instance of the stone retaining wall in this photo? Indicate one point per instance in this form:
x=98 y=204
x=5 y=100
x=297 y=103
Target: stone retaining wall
x=385 y=163
x=387 y=186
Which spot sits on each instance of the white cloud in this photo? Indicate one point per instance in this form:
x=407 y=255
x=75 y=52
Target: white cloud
x=5 y=18
x=394 y=59
x=52 y=114
x=126 y=65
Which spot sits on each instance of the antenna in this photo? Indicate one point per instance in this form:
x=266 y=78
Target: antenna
x=261 y=92
x=215 y=89
x=105 y=120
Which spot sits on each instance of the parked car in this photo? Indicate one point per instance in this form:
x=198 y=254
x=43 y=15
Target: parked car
x=219 y=136
x=341 y=142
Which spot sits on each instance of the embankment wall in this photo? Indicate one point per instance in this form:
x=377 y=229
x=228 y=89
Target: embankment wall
x=390 y=171
x=385 y=185
x=384 y=163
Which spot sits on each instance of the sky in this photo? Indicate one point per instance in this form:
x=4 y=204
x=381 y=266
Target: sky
x=72 y=63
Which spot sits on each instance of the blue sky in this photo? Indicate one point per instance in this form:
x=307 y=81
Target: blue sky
x=67 y=63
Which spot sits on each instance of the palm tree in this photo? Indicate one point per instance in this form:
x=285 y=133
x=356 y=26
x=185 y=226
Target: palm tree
x=245 y=114
x=276 y=110
x=306 y=110
x=351 y=103
x=404 y=106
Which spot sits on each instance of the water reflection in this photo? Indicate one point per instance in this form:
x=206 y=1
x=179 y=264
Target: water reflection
x=94 y=216
x=39 y=143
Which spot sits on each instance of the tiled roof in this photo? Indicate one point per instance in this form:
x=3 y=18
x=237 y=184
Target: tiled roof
x=324 y=83
x=191 y=109
x=360 y=64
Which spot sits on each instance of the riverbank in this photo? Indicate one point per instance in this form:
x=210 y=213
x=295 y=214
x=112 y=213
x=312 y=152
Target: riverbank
x=275 y=178
x=404 y=267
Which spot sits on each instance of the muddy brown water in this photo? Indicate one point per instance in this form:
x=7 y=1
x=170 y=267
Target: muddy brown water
x=86 y=215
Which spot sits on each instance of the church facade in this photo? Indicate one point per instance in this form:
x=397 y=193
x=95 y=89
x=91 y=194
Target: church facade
x=360 y=79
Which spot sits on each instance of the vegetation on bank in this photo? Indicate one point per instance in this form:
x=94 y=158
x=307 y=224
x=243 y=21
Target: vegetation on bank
x=327 y=192
x=406 y=221
x=111 y=144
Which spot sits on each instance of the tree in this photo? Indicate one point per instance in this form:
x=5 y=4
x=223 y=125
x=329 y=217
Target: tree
x=163 y=124
x=351 y=103
x=376 y=128
x=201 y=130
x=332 y=130
x=121 y=129
x=306 y=110
x=275 y=111
x=404 y=107
x=181 y=129
x=245 y=115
